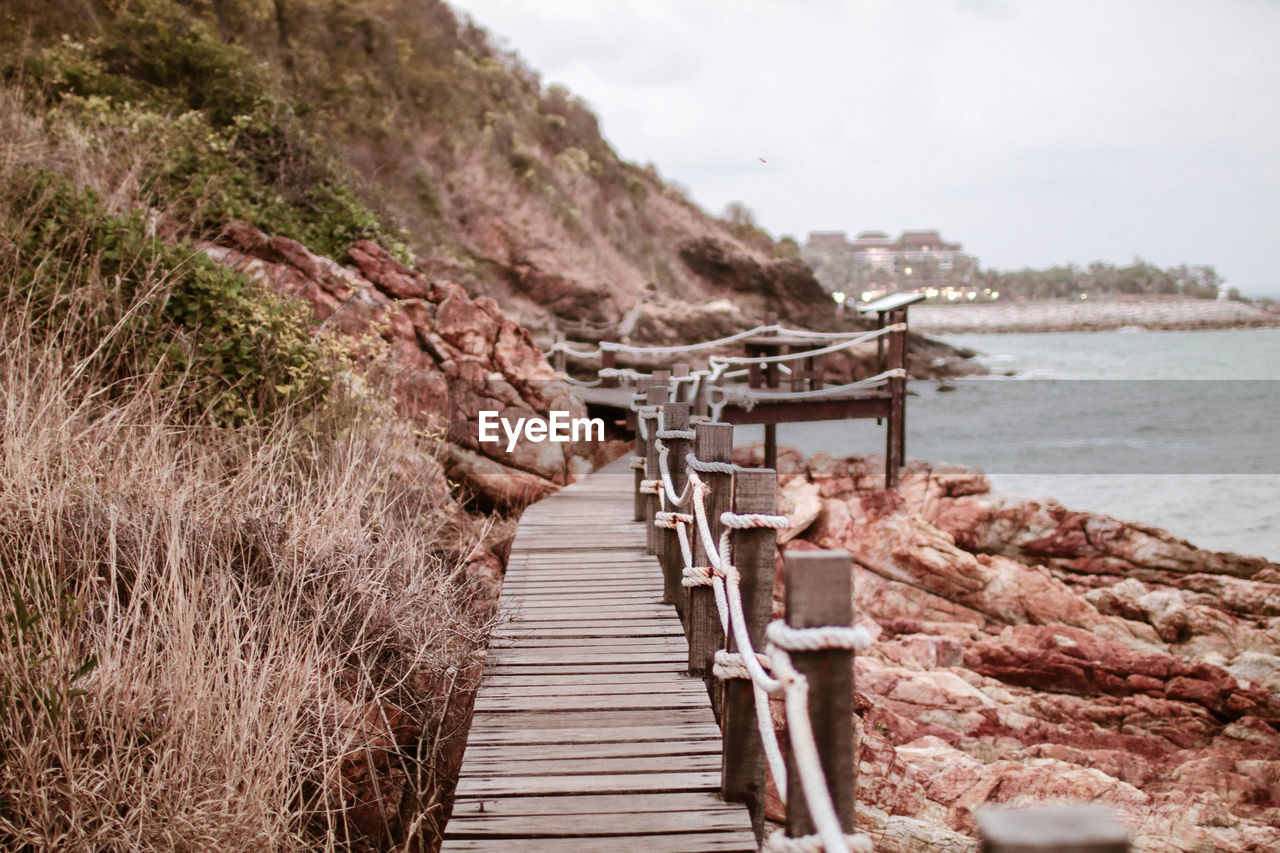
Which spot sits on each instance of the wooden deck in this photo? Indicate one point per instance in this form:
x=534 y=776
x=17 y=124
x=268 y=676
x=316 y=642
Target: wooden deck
x=587 y=735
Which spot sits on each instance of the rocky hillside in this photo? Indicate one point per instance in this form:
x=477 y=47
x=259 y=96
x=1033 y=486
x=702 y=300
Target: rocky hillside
x=482 y=174
x=1026 y=652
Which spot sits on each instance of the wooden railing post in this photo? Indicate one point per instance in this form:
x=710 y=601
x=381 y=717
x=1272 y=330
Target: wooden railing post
x=674 y=416
x=678 y=371
x=559 y=360
x=655 y=396
x=895 y=434
x=820 y=593
x=743 y=769
x=608 y=359
x=701 y=398
x=713 y=442
x=642 y=451
x=1085 y=828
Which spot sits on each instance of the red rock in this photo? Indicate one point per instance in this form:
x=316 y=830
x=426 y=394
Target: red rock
x=1025 y=652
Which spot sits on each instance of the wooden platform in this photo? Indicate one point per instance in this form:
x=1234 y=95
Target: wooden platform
x=587 y=735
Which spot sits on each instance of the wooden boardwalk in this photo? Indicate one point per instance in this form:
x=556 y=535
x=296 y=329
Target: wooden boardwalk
x=587 y=735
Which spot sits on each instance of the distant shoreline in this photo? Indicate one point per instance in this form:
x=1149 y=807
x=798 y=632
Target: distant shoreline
x=1102 y=315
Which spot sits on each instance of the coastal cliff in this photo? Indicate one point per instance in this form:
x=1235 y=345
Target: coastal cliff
x=1027 y=652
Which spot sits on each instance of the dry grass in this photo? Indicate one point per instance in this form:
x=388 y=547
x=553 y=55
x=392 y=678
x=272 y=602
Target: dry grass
x=208 y=635
x=250 y=596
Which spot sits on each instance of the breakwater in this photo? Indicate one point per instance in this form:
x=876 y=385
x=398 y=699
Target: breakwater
x=1082 y=316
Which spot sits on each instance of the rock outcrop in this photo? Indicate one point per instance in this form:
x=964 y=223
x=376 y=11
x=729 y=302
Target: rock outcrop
x=446 y=356
x=1026 y=653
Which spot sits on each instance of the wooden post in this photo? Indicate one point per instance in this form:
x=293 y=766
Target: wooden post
x=559 y=358
x=895 y=434
x=642 y=453
x=743 y=768
x=655 y=396
x=714 y=443
x=880 y=358
x=1085 y=828
x=701 y=398
x=678 y=370
x=674 y=416
x=820 y=593
x=773 y=376
x=608 y=358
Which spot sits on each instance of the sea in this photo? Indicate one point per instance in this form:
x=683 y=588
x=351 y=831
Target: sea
x=1176 y=429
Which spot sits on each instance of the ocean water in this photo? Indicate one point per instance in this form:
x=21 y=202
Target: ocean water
x=1180 y=430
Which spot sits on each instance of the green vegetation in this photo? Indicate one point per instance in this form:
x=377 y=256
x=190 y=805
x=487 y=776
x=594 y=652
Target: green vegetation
x=1100 y=279
x=222 y=144
x=154 y=308
x=225 y=562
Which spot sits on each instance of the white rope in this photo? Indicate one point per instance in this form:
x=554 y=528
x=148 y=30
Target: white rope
x=677 y=434
x=616 y=347
x=663 y=452
x=748 y=397
x=729 y=665
x=778 y=675
x=650 y=487
x=644 y=414
x=778 y=842
x=562 y=346
x=693 y=576
x=639 y=463
x=821 y=639
x=804 y=749
x=581 y=383
x=750 y=520
x=693 y=463
x=795 y=356
x=620 y=373
x=669 y=520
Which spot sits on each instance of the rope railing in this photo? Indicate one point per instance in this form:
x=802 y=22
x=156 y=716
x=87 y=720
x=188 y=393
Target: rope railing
x=566 y=347
x=860 y=338
x=699 y=547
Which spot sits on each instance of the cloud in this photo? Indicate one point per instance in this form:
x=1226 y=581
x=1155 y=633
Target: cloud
x=1121 y=129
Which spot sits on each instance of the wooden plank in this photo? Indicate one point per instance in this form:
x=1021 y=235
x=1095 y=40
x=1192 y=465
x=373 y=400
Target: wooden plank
x=578 y=766
x=617 y=750
x=672 y=843
x=584 y=711
x=580 y=804
x=505 y=734
x=618 y=783
x=621 y=686
x=625 y=717
x=598 y=824
x=589 y=702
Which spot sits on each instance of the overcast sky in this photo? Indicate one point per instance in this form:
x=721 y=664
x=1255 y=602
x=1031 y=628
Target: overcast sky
x=1035 y=132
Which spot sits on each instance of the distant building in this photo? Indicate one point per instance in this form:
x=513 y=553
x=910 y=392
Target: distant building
x=874 y=262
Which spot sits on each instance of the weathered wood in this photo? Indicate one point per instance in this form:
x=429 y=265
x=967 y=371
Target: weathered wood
x=589 y=804
x=474 y=786
x=819 y=593
x=641 y=452
x=744 y=768
x=680 y=390
x=586 y=700
x=667 y=843
x=675 y=416
x=655 y=396
x=1085 y=828
x=611 y=823
x=608 y=360
x=713 y=443
x=895 y=434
